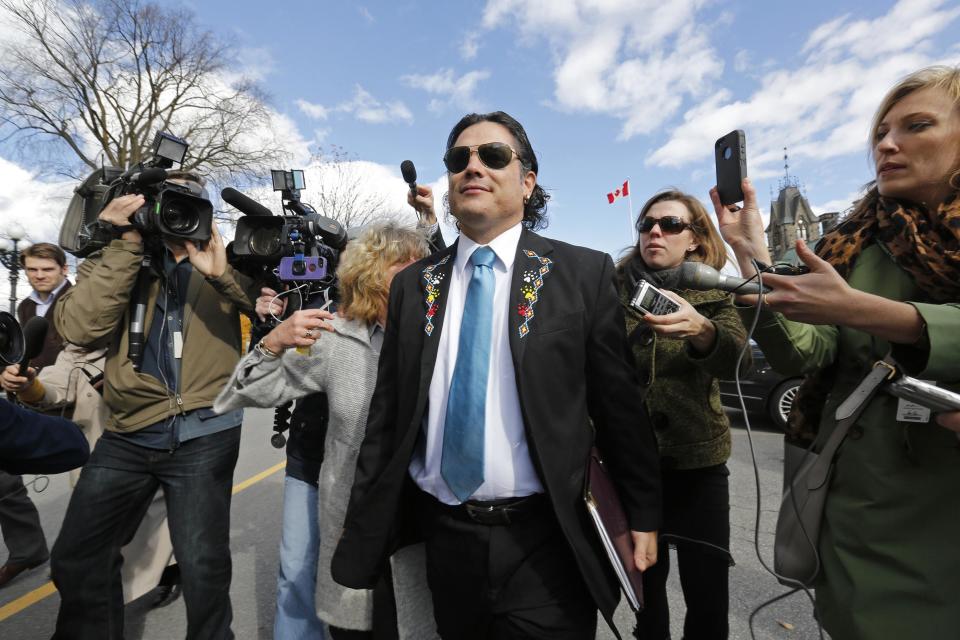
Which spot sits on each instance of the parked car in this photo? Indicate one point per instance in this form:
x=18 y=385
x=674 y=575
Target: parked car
x=765 y=392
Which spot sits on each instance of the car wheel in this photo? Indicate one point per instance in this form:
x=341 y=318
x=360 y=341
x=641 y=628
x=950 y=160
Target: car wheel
x=781 y=400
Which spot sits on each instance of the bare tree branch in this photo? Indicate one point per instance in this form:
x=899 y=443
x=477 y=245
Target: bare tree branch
x=99 y=78
x=337 y=190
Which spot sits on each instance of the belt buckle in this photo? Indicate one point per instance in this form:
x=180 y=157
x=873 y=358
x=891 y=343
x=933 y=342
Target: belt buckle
x=487 y=514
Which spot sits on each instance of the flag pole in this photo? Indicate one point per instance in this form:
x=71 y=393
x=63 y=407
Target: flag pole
x=630 y=212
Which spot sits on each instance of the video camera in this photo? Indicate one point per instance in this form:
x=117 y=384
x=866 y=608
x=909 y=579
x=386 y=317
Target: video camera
x=300 y=248
x=12 y=344
x=171 y=209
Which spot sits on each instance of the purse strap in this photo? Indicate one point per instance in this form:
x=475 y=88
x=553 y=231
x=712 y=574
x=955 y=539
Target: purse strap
x=847 y=413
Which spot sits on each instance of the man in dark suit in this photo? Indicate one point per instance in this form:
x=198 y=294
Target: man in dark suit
x=504 y=360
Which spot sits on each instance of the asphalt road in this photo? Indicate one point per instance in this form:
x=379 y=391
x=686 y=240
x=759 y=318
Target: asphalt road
x=28 y=606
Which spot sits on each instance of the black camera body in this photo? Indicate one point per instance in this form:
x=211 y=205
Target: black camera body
x=299 y=247
x=171 y=209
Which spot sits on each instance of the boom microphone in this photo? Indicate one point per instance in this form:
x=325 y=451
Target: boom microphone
x=701 y=277
x=409 y=175
x=244 y=204
x=34 y=333
x=152 y=175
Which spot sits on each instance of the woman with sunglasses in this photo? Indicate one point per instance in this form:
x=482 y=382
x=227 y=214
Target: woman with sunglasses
x=886 y=279
x=680 y=357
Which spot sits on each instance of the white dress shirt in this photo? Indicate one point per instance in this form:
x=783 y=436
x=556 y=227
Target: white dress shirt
x=44 y=306
x=507 y=469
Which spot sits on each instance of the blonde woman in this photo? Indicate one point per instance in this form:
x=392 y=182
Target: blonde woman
x=888 y=277
x=307 y=354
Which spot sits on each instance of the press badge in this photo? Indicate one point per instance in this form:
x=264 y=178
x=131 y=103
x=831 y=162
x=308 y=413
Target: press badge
x=911 y=411
x=177 y=345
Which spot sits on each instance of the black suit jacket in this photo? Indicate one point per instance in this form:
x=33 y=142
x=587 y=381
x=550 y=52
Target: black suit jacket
x=572 y=368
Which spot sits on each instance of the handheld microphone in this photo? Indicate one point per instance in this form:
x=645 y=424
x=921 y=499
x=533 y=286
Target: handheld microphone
x=244 y=204
x=409 y=175
x=34 y=333
x=701 y=277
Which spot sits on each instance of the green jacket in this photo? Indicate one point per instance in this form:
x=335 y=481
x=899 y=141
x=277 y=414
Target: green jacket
x=682 y=393
x=888 y=543
x=95 y=312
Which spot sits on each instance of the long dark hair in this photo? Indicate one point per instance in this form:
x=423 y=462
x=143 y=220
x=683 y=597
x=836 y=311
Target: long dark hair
x=535 y=208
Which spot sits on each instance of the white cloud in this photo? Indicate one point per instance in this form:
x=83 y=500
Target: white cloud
x=365 y=13
x=364 y=107
x=36 y=206
x=312 y=110
x=838 y=204
x=470 y=46
x=450 y=91
x=822 y=108
x=741 y=61
x=635 y=60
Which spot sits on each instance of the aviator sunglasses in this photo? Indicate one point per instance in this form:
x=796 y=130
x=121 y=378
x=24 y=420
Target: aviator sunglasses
x=668 y=224
x=494 y=155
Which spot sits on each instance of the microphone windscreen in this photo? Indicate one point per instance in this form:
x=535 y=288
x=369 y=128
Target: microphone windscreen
x=409 y=172
x=34 y=333
x=698 y=276
x=244 y=204
x=152 y=175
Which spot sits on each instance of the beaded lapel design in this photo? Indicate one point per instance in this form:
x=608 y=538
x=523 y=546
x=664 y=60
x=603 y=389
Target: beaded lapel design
x=533 y=280
x=432 y=281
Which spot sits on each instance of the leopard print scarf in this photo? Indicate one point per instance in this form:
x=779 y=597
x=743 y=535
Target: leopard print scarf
x=924 y=243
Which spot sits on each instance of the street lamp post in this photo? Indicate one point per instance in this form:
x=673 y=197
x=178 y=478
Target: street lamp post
x=10 y=257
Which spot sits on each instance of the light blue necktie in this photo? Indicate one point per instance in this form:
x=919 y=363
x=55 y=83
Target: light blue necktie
x=461 y=463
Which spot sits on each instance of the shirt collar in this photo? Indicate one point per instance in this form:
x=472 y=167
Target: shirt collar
x=504 y=245
x=50 y=298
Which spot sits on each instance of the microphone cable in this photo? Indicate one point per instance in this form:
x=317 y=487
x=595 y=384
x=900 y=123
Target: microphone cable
x=756 y=473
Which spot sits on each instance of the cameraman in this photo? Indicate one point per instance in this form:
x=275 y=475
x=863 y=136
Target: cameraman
x=162 y=431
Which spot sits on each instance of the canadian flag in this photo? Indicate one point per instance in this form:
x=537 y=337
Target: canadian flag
x=622 y=191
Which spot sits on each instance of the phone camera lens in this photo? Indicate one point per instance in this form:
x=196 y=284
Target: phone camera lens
x=727 y=153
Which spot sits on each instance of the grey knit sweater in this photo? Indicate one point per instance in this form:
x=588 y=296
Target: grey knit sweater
x=343 y=364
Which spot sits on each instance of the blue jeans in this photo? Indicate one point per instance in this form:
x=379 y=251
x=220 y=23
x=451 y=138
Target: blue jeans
x=115 y=488
x=296 y=616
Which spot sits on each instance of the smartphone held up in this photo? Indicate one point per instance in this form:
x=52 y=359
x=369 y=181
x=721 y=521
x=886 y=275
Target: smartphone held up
x=730 y=152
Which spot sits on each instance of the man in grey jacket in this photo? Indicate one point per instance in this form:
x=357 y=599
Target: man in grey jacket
x=162 y=431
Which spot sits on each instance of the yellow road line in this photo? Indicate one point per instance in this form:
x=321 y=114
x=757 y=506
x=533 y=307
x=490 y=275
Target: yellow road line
x=46 y=590
x=260 y=476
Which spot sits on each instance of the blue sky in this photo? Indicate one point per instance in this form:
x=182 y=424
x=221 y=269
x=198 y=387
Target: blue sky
x=607 y=89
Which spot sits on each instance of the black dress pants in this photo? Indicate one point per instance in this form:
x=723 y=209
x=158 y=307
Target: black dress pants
x=504 y=581
x=696 y=505
x=20 y=523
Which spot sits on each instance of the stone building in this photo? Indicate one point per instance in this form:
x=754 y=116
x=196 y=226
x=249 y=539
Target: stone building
x=791 y=218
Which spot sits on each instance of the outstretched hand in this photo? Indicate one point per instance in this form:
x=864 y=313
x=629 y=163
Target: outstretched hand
x=684 y=324
x=12 y=381
x=423 y=205
x=742 y=228
x=301 y=329
x=817 y=297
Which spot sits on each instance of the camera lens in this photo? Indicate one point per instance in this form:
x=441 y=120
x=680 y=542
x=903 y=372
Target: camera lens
x=11 y=339
x=264 y=241
x=179 y=217
x=727 y=153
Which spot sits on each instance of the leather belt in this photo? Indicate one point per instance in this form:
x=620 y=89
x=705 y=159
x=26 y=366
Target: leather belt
x=494 y=512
